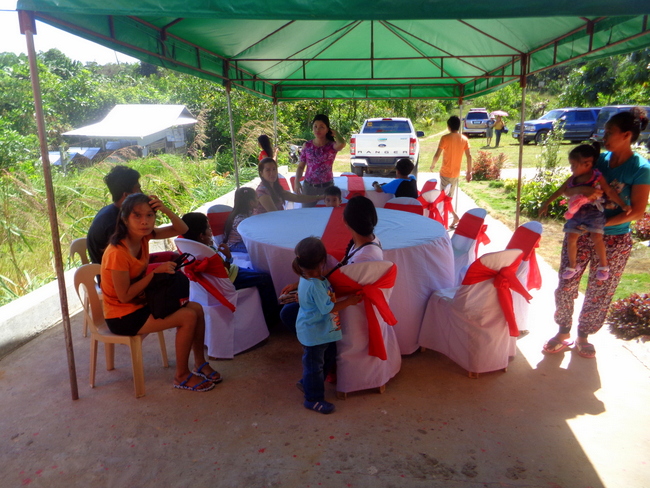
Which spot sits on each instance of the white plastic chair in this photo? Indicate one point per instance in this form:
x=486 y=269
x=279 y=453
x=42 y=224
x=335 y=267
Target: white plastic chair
x=355 y=369
x=84 y=284
x=226 y=333
x=405 y=204
x=467 y=323
x=464 y=241
x=79 y=249
x=526 y=237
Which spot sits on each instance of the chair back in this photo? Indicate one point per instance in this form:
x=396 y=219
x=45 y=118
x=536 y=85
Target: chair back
x=405 y=204
x=85 y=285
x=466 y=239
x=428 y=186
x=217 y=216
x=283 y=182
x=526 y=237
x=293 y=182
x=366 y=272
x=79 y=247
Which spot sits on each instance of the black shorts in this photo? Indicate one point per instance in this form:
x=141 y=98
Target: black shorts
x=130 y=324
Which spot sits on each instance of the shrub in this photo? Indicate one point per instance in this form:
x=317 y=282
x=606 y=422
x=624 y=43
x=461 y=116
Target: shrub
x=536 y=191
x=641 y=228
x=629 y=317
x=487 y=167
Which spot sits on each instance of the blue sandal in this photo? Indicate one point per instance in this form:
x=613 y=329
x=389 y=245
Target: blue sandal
x=215 y=377
x=205 y=385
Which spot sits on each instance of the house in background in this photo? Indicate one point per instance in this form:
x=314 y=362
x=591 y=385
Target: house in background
x=155 y=128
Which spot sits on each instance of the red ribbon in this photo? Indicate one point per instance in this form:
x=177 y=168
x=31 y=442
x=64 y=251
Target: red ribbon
x=283 y=183
x=505 y=281
x=434 y=212
x=428 y=186
x=213 y=266
x=372 y=295
x=472 y=227
x=416 y=209
x=217 y=222
x=528 y=240
x=356 y=186
x=336 y=235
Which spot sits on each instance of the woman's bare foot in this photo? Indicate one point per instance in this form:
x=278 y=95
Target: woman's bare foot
x=205 y=371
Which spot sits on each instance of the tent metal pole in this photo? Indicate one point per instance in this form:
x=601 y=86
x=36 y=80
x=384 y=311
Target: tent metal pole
x=275 y=123
x=232 y=134
x=460 y=116
x=522 y=83
x=28 y=28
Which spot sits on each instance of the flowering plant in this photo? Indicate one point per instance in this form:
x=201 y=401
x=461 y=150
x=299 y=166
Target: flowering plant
x=629 y=318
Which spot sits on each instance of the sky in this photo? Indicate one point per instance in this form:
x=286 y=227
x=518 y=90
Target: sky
x=48 y=37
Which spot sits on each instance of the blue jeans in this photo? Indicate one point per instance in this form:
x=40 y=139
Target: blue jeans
x=248 y=278
x=498 y=135
x=289 y=315
x=317 y=362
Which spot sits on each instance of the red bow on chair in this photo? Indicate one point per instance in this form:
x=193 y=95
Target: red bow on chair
x=213 y=266
x=526 y=239
x=372 y=295
x=505 y=281
x=472 y=227
x=432 y=207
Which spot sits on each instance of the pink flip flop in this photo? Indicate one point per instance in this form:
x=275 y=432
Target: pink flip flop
x=555 y=346
x=585 y=350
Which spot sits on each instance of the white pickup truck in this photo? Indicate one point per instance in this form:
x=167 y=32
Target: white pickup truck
x=381 y=142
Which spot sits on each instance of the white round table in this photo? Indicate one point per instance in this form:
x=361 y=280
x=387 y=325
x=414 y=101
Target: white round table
x=419 y=246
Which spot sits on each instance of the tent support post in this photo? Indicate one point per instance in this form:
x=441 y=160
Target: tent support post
x=275 y=124
x=232 y=134
x=460 y=116
x=28 y=28
x=522 y=83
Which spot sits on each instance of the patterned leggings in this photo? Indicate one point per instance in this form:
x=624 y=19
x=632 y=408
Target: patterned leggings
x=599 y=293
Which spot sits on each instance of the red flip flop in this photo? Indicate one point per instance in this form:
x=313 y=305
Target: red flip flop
x=586 y=350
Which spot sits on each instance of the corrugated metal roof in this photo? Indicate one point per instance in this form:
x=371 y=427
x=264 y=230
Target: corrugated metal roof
x=136 y=121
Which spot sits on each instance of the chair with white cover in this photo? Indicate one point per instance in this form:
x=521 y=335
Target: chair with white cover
x=368 y=355
x=405 y=204
x=469 y=234
x=217 y=216
x=526 y=237
x=84 y=283
x=437 y=204
x=474 y=324
x=234 y=321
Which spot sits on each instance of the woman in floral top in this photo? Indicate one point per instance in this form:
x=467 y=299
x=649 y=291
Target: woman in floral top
x=318 y=155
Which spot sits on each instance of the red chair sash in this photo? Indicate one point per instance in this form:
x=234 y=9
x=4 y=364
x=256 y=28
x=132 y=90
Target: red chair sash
x=336 y=235
x=505 y=281
x=527 y=240
x=356 y=186
x=428 y=186
x=217 y=222
x=434 y=211
x=214 y=266
x=472 y=227
x=416 y=209
x=372 y=295
x=283 y=183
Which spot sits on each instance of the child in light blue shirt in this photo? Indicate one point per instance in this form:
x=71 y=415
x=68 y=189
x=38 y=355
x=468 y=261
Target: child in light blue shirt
x=317 y=324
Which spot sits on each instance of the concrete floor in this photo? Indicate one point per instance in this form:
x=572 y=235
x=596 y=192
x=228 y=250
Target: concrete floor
x=558 y=421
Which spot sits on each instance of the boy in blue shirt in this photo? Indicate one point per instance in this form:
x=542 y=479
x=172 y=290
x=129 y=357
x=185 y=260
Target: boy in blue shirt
x=405 y=185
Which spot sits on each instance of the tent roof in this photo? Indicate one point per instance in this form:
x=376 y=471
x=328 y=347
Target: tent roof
x=295 y=49
x=136 y=121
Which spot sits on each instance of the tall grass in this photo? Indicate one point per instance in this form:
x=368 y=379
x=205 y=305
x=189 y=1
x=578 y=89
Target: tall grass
x=26 y=259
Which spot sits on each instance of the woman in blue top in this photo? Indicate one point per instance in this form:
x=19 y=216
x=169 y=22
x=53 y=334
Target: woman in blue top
x=629 y=174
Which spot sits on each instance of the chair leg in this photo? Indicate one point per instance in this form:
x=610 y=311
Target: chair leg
x=341 y=395
x=163 y=349
x=382 y=389
x=137 y=364
x=473 y=376
x=93 y=360
x=86 y=307
x=109 y=352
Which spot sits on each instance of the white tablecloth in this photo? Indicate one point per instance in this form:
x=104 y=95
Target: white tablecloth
x=419 y=246
x=379 y=199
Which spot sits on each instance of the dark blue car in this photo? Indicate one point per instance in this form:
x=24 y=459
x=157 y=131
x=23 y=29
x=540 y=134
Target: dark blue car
x=579 y=125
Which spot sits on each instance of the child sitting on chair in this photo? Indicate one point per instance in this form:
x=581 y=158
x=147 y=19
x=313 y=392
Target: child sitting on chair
x=317 y=325
x=333 y=196
x=199 y=230
x=405 y=185
x=585 y=214
x=245 y=203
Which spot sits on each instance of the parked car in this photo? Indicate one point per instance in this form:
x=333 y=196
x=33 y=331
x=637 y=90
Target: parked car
x=607 y=112
x=381 y=142
x=579 y=125
x=476 y=122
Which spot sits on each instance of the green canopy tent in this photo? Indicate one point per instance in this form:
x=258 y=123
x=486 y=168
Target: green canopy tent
x=296 y=49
